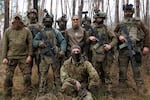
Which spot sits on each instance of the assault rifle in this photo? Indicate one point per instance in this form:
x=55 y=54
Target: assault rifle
x=130 y=45
x=48 y=49
x=85 y=14
x=101 y=39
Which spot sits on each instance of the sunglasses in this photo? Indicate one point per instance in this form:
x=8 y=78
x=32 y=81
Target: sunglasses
x=75 y=19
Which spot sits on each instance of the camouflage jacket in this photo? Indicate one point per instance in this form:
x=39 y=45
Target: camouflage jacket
x=137 y=32
x=54 y=36
x=83 y=72
x=17 y=43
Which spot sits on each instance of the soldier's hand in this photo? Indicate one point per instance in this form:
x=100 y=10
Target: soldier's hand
x=42 y=44
x=61 y=54
x=145 y=50
x=93 y=38
x=28 y=59
x=122 y=38
x=78 y=85
x=5 y=61
x=107 y=47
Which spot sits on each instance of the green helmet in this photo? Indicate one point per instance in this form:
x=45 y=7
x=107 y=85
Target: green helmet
x=31 y=11
x=86 y=19
x=128 y=7
x=48 y=16
x=62 y=18
x=100 y=14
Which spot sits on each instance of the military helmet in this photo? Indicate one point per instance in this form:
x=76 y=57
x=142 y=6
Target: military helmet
x=128 y=7
x=100 y=14
x=32 y=11
x=48 y=16
x=17 y=16
x=86 y=19
x=62 y=18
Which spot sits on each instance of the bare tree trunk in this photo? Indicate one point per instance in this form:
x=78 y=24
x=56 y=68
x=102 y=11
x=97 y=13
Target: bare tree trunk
x=98 y=3
x=147 y=13
x=16 y=6
x=123 y=1
x=35 y=6
x=62 y=10
x=80 y=9
x=117 y=12
x=56 y=9
x=65 y=4
x=127 y=1
x=6 y=25
x=29 y=4
x=41 y=10
x=138 y=8
x=74 y=7
x=102 y=5
x=51 y=3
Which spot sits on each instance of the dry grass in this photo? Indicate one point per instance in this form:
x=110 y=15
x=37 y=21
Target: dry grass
x=129 y=95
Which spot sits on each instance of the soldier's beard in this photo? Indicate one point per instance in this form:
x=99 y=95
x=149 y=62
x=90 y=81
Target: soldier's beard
x=17 y=25
x=100 y=22
x=62 y=27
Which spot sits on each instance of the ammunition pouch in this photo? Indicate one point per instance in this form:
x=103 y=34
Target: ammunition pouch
x=98 y=54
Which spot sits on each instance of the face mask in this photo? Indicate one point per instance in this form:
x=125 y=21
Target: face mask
x=76 y=57
x=62 y=26
x=47 y=24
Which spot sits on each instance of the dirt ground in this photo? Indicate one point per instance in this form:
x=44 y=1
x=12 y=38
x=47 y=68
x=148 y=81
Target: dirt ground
x=129 y=94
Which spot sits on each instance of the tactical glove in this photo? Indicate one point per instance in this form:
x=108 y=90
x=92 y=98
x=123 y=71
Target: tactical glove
x=42 y=44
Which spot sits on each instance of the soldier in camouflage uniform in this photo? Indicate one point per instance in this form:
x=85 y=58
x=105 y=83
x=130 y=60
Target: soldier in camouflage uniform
x=86 y=24
x=102 y=43
x=78 y=76
x=76 y=36
x=34 y=27
x=48 y=41
x=17 y=50
x=62 y=23
x=133 y=39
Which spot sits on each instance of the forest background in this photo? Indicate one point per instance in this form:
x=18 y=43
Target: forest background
x=113 y=8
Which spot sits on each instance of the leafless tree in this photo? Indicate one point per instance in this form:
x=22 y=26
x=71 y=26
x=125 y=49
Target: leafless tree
x=80 y=9
x=29 y=4
x=6 y=25
x=117 y=12
x=147 y=13
x=137 y=2
x=74 y=7
x=35 y=5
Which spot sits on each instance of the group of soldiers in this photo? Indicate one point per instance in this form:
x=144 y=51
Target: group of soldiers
x=81 y=57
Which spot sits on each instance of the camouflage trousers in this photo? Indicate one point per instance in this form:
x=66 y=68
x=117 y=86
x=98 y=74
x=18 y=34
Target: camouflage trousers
x=103 y=70
x=123 y=68
x=44 y=66
x=35 y=59
x=69 y=89
x=10 y=69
